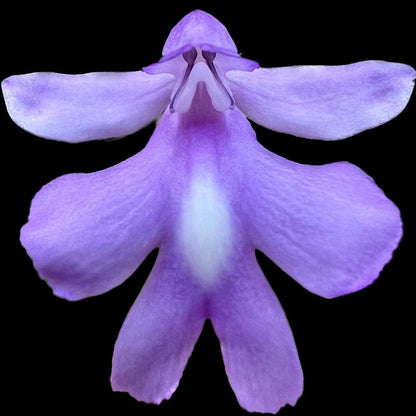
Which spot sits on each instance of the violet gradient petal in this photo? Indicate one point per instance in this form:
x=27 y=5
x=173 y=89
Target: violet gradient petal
x=329 y=227
x=323 y=102
x=160 y=332
x=76 y=108
x=88 y=232
x=257 y=344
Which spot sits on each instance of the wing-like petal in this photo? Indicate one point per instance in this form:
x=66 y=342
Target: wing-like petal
x=329 y=227
x=77 y=108
x=160 y=332
x=88 y=232
x=257 y=345
x=323 y=102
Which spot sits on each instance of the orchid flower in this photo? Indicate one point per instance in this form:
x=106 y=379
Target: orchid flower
x=207 y=194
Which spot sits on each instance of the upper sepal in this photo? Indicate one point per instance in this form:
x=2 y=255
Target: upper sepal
x=199 y=29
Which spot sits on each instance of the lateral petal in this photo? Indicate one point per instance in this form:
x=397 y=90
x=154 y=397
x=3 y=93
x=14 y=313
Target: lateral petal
x=77 y=108
x=323 y=102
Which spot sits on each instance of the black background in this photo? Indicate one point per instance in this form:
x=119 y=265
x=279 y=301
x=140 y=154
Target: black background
x=357 y=351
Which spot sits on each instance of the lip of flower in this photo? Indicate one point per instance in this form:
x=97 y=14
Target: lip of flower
x=208 y=194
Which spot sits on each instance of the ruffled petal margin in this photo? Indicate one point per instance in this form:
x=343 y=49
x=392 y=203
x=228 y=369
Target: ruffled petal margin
x=77 y=108
x=323 y=102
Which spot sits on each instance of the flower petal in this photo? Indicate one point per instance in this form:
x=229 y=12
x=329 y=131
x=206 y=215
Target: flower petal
x=76 y=108
x=159 y=332
x=329 y=227
x=258 y=349
x=323 y=102
x=88 y=232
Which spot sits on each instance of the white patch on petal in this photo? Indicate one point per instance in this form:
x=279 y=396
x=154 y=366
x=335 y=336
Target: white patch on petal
x=206 y=230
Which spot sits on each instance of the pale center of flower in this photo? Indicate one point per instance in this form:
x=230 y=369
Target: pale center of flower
x=201 y=68
x=206 y=231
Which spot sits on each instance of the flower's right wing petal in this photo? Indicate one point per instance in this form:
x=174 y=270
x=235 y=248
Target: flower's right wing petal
x=77 y=108
x=323 y=102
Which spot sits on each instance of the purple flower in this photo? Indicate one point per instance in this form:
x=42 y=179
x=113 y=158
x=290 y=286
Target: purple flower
x=208 y=194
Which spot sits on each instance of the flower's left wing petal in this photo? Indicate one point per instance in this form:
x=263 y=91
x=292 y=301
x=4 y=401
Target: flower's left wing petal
x=77 y=108
x=160 y=331
x=323 y=102
x=87 y=233
x=257 y=345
